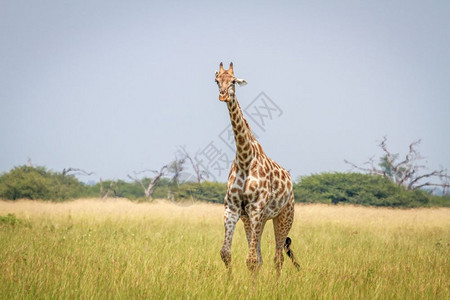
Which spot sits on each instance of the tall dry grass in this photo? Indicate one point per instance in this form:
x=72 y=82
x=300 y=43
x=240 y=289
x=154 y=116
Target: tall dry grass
x=120 y=249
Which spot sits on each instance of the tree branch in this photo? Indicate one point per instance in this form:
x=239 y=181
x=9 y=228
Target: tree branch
x=200 y=174
x=76 y=172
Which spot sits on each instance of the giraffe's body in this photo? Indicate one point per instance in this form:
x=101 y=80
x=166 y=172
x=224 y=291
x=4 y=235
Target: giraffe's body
x=258 y=188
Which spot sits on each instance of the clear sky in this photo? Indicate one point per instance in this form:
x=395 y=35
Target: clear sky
x=115 y=86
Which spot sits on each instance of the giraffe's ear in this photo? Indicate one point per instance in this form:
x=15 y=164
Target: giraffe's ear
x=240 y=82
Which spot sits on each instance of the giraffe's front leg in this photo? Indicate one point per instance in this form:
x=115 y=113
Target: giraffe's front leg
x=231 y=216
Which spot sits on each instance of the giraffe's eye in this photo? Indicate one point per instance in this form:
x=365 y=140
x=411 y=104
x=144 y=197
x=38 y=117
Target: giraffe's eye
x=233 y=82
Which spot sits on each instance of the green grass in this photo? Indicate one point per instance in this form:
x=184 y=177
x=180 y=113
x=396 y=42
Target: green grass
x=121 y=250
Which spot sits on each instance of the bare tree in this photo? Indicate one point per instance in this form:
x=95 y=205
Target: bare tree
x=199 y=172
x=105 y=194
x=150 y=187
x=409 y=172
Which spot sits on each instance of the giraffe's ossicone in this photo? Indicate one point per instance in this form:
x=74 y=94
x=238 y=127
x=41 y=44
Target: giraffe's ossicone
x=258 y=188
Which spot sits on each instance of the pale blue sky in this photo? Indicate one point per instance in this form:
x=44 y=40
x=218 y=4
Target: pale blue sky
x=114 y=86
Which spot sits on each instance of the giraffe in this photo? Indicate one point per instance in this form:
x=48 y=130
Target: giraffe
x=258 y=188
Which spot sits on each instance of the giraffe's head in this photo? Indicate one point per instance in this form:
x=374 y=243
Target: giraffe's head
x=226 y=81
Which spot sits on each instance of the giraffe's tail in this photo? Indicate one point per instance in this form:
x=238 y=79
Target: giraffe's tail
x=290 y=254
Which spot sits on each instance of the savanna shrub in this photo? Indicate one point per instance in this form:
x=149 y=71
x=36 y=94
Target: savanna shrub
x=39 y=183
x=356 y=188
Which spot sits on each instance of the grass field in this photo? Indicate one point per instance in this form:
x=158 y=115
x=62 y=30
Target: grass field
x=116 y=249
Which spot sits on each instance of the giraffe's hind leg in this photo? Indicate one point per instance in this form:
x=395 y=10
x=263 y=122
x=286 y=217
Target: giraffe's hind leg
x=247 y=227
x=254 y=258
x=282 y=225
x=248 y=233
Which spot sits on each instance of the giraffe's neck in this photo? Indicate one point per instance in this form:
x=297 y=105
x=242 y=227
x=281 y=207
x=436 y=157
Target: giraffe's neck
x=243 y=136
